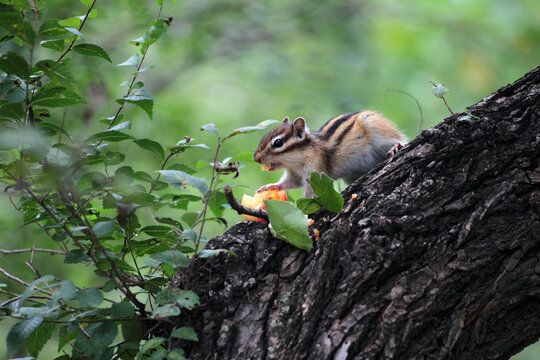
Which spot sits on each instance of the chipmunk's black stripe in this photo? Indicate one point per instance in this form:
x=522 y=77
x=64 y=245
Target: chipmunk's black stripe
x=298 y=145
x=286 y=137
x=326 y=134
x=343 y=133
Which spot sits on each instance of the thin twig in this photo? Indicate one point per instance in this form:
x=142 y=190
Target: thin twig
x=206 y=199
x=61 y=245
x=20 y=251
x=66 y=339
x=130 y=88
x=33 y=268
x=14 y=278
x=162 y=167
x=79 y=29
x=448 y=107
x=15 y=298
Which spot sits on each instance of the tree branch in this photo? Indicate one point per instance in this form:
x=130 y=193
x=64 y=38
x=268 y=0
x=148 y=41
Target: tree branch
x=436 y=257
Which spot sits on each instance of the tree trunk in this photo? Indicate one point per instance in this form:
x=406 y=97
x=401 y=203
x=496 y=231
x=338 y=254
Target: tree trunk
x=435 y=256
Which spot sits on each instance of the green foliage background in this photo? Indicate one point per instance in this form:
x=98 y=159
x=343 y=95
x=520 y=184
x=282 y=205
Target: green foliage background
x=238 y=62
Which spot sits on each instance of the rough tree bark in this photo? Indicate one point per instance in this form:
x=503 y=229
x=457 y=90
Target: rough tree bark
x=437 y=256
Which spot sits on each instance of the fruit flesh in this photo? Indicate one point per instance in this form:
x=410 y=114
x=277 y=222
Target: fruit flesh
x=257 y=201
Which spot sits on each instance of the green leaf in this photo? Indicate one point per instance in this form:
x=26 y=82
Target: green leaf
x=288 y=223
x=142 y=99
x=210 y=127
x=17 y=94
x=124 y=175
x=102 y=336
x=122 y=309
x=187 y=299
x=165 y=296
x=39 y=338
x=109 y=135
x=182 y=144
x=67 y=290
x=249 y=129
x=58 y=73
x=73 y=22
x=20 y=332
x=122 y=126
x=132 y=61
x=89 y=298
x=14 y=64
x=144 y=68
x=52 y=128
x=438 y=89
x=159 y=185
x=12 y=111
x=18 y=4
x=66 y=337
x=149 y=345
x=172 y=257
x=182 y=167
x=8 y=83
x=114 y=157
x=13 y=22
x=132 y=331
x=178 y=178
x=308 y=205
x=74 y=31
x=190 y=218
x=169 y=221
x=57 y=45
x=216 y=201
x=151 y=146
x=326 y=195
x=51 y=28
x=103 y=228
x=6 y=38
x=87 y=3
x=156 y=230
x=166 y=310
x=186 y=333
x=91 y=50
x=76 y=256
x=56 y=97
x=143 y=176
x=177 y=354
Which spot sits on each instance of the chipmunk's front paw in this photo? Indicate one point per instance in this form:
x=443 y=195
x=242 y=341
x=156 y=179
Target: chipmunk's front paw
x=396 y=148
x=276 y=187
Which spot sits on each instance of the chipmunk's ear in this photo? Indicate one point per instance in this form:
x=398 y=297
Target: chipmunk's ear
x=300 y=127
x=286 y=121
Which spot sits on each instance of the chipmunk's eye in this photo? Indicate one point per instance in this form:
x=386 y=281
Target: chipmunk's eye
x=277 y=143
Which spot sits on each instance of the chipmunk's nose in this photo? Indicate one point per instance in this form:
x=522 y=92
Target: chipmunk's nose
x=257 y=157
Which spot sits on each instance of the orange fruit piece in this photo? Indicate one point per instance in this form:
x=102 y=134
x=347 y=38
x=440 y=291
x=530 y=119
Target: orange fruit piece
x=257 y=201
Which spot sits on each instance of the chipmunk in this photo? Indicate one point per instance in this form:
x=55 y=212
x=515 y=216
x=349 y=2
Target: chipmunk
x=347 y=146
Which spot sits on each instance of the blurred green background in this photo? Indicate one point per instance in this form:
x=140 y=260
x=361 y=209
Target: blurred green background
x=238 y=62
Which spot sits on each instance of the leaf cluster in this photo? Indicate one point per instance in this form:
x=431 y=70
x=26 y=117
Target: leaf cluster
x=82 y=194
